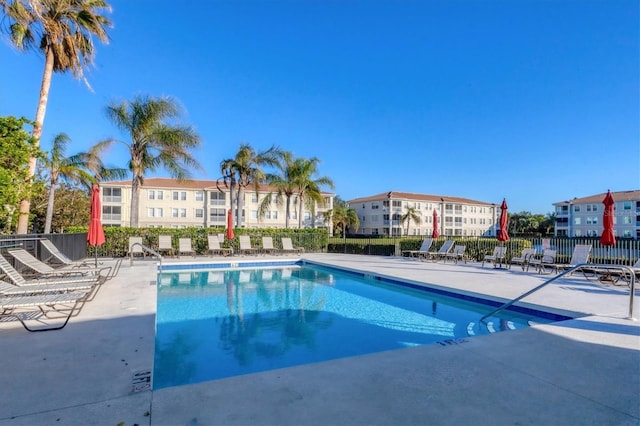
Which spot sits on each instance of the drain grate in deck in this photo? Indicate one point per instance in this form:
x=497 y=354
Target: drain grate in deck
x=141 y=381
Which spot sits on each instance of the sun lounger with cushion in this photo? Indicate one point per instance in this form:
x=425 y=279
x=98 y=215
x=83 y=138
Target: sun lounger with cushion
x=579 y=256
x=16 y=278
x=56 y=257
x=523 y=259
x=165 y=245
x=267 y=245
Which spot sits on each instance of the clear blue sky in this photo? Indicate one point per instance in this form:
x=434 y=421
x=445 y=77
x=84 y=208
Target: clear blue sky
x=533 y=101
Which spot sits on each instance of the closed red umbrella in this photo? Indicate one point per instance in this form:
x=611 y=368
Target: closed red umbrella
x=608 y=238
x=435 y=233
x=503 y=235
x=230 y=235
x=95 y=236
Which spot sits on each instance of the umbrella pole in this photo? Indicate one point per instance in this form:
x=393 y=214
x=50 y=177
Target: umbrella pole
x=96 y=256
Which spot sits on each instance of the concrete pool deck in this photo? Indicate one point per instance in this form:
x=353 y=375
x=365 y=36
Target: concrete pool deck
x=581 y=371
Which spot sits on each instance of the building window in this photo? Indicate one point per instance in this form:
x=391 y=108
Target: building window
x=458 y=209
x=448 y=208
x=217 y=198
x=183 y=212
x=174 y=212
x=577 y=233
x=217 y=215
x=576 y=208
x=152 y=194
x=254 y=214
x=199 y=213
x=112 y=195
x=626 y=205
x=375 y=206
x=254 y=198
x=159 y=195
x=397 y=203
x=199 y=196
x=577 y=221
x=154 y=212
x=111 y=213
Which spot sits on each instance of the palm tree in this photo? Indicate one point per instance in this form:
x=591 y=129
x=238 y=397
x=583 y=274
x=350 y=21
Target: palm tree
x=246 y=169
x=60 y=167
x=411 y=215
x=343 y=217
x=284 y=184
x=308 y=188
x=154 y=142
x=63 y=31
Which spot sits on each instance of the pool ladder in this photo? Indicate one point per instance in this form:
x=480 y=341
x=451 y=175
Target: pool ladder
x=590 y=266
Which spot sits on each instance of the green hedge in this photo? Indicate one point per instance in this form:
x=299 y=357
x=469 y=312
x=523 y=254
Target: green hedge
x=117 y=238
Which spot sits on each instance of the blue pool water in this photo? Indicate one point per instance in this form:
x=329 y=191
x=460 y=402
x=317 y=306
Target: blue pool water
x=227 y=322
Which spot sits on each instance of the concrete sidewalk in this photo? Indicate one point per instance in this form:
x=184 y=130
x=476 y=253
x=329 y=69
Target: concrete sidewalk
x=582 y=371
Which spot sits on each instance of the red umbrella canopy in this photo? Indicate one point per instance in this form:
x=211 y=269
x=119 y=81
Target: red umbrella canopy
x=95 y=236
x=230 y=235
x=435 y=233
x=503 y=235
x=608 y=238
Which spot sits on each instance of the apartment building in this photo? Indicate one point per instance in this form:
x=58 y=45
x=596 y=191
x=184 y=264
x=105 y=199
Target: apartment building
x=382 y=214
x=168 y=203
x=582 y=217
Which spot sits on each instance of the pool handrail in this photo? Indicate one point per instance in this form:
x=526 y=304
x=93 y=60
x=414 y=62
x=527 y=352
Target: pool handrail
x=623 y=268
x=144 y=248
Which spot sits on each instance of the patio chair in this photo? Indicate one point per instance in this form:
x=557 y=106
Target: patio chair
x=65 y=304
x=422 y=251
x=165 y=245
x=497 y=258
x=548 y=257
x=267 y=245
x=135 y=247
x=184 y=247
x=442 y=251
x=287 y=246
x=16 y=278
x=40 y=268
x=456 y=254
x=214 y=246
x=523 y=259
x=245 y=245
x=579 y=256
x=57 y=258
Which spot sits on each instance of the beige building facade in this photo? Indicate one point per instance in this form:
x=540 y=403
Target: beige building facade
x=382 y=214
x=168 y=203
x=582 y=217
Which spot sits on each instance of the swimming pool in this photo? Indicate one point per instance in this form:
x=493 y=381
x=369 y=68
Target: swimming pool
x=224 y=322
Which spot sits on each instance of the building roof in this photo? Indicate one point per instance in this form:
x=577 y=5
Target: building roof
x=201 y=184
x=417 y=197
x=633 y=195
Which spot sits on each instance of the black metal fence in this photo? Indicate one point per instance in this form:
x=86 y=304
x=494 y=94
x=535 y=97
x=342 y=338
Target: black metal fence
x=625 y=252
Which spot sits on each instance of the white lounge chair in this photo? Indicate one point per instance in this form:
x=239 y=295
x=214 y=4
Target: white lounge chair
x=184 y=247
x=499 y=253
x=422 y=251
x=8 y=289
x=57 y=258
x=65 y=304
x=267 y=245
x=523 y=259
x=287 y=246
x=42 y=269
x=442 y=251
x=214 y=246
x=165 y=245
x=245 y=245
x=16 y=278
x=579 y=256
x=456 y=254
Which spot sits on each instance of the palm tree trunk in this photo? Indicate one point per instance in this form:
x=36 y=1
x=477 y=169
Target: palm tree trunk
x=301 y=203
x=25 y=205
x=288 y=212
x=240 y=206
x=232 y=197
x=47 y=224
x=135 y=202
